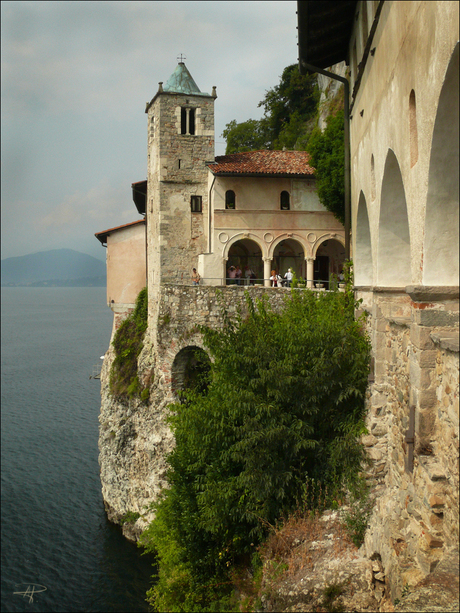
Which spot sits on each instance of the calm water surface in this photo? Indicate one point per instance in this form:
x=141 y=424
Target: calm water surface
x=54 y=530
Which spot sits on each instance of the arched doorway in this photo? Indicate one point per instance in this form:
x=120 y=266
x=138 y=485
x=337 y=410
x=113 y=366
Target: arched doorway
x=289 y=253
x=190 y=370
x=246 y=253
x=330 y=257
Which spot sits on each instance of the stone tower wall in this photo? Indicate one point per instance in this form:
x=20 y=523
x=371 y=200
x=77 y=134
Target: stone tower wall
x=176 y=172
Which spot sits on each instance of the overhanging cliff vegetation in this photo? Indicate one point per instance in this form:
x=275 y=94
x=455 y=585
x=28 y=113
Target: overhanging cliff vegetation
x=282 y=406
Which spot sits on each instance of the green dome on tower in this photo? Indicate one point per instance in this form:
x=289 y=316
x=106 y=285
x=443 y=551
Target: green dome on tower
x=181 y=82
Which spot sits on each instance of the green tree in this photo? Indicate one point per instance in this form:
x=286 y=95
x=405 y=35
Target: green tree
x=127 y=344
x=246 y=136
x=288 y=110
x=284 y=403
x=294 y=100
x=328 y=158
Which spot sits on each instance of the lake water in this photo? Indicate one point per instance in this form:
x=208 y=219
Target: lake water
x=55 y=534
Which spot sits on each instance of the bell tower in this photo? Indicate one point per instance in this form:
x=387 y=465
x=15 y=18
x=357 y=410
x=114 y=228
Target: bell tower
x=180 y=142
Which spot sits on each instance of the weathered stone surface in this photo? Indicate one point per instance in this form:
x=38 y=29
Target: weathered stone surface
x=325 y=574
x=446 y=340
x=439 y=591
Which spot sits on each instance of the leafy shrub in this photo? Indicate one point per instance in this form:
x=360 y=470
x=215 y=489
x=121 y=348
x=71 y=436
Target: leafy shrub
x=328 y=158
x=130 y=517
x=127 y=343
x=283 y=404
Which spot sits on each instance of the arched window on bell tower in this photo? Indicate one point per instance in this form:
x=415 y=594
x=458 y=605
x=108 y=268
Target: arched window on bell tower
x=191 y=121
x=187 y=121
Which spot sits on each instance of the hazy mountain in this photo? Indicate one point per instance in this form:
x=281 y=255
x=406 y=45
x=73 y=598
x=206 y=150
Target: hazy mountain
x=55 y=267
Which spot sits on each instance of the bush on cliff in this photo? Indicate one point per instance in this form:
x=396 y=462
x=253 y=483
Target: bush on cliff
x=127 y=343
x=283 y=405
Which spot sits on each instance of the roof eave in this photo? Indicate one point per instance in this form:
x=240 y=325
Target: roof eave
x=270 y=175
x=324 y=31
x=163 y=93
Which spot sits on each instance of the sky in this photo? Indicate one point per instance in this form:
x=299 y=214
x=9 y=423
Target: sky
x=75 y=77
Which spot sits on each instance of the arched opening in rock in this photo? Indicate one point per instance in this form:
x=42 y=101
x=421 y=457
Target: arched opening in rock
x=190 y=371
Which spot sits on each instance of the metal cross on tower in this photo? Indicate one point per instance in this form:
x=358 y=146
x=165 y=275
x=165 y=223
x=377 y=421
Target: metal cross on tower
x=181 y=58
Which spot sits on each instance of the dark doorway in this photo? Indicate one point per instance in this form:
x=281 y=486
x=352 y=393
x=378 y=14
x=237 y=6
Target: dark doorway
x=190 y=371
x=322 y=270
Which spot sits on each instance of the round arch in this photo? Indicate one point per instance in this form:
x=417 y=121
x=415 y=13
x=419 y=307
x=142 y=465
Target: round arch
x=329 y=254
x=394 y=249
x=327 y=237
x=288 y=252
x=244 y=236
x=441 y=245
x=245 y=252
x=189 y=369
x=363 y=267
x=283 y=237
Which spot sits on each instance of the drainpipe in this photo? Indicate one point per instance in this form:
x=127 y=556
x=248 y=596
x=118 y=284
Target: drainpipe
x=210 y=216
x=346 y=124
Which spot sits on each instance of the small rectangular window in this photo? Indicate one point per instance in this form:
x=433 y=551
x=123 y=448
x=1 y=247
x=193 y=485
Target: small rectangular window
x=183 y=121
x=196 y=204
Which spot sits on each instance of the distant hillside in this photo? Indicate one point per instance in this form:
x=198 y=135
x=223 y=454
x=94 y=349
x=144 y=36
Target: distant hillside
x=57 y=267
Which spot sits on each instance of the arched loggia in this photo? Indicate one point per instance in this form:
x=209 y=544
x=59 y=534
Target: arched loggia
x=394 y=252
x=246 y=254
x=441 y=248
x=363 y=269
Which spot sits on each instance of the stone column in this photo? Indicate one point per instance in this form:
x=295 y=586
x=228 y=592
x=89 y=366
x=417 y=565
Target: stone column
x=267 y=271
x=310 y=271
x=224 y=264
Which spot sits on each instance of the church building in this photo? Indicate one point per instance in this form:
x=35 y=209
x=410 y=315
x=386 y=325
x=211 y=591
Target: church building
x=258 y=210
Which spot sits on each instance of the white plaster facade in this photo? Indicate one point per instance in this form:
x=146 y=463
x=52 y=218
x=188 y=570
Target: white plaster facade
x=260 y=226
x=404 y=146
x=126 y=264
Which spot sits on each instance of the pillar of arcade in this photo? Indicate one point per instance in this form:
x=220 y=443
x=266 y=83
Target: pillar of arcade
x=267 y=271
x=310 y=271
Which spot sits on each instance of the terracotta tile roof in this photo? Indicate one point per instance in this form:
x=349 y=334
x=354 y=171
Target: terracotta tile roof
x=102 y=236
x=265 y=162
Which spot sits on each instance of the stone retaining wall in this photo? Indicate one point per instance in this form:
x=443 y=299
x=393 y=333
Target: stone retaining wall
x=415 y=484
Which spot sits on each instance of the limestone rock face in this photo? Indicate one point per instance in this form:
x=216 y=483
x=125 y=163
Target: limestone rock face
x=134 y=440
x=324 y=572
